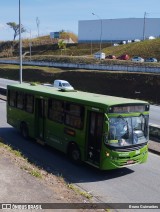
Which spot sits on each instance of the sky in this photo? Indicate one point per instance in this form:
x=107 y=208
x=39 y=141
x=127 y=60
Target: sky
x=64 y=14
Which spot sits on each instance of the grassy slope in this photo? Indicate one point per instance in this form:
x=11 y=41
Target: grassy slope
x=46 y=46
x=145 y=49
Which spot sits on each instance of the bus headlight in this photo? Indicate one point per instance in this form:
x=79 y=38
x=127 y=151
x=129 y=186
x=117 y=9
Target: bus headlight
x=107 y=154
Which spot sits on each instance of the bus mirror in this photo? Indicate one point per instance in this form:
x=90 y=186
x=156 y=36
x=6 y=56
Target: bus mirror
x=106 y=126
x=106 y=117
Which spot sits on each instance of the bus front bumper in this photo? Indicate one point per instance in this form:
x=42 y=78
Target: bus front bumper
x=114 y=160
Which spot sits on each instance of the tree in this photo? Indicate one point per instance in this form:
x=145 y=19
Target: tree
x=16 y=29
x=61 y=45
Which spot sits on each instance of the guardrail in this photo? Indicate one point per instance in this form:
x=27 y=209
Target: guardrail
x=102 y=67
x=154 y=130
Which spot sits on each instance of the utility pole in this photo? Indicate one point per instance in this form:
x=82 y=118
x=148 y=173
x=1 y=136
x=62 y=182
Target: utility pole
x=144 y=25
x=20 y=43
x=30 y=46
x=100 y=42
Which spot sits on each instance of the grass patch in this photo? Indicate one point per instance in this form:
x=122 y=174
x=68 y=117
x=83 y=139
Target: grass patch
x=78 y=191
x=25 y=67
x=17 y=153
x=32 y=171
x=1 y=145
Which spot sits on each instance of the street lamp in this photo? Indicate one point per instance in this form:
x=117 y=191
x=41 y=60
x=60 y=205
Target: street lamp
x=100 y=43
x=30 y=49
x=144 y=25
x=20 y=43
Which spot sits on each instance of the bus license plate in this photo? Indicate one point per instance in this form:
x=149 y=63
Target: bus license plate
x=130 y=161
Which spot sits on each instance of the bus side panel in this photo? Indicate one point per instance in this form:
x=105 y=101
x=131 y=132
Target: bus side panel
x=15 y=117
x=59 y=136
x=54 y=135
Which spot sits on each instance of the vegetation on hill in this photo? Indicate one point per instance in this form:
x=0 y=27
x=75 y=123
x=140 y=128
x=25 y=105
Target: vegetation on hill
x=45 y=47
x=141 y=85
x=145 y=49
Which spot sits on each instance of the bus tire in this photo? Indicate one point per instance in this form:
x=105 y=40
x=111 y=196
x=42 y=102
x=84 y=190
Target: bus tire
x=74 y=154
x=24 y=130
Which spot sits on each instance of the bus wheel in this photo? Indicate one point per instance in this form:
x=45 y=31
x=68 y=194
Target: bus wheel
x=24 y=130
x=74 y=154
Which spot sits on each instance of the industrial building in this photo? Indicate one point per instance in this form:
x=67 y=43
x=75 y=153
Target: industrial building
x=116 y=30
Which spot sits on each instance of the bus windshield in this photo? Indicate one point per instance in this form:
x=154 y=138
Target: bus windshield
x=127 y=131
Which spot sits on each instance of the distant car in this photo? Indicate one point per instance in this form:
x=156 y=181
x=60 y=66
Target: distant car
x=129 y=41
x=151 y=59
x=99 y=55
x=137 y=59
x=110 y=57
x=62 y=84
x=124 y=57
x=151 y=38
x=115 y=44
x=136 y=40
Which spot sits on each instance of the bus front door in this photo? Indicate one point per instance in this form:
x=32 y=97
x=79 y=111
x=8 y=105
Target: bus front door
x=40 y=118
x=95 y=129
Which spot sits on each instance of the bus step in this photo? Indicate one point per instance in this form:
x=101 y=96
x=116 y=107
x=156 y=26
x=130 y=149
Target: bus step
x=40 y=142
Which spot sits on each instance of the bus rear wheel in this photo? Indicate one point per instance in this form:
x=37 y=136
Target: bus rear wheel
x=74 y=154
x=24 y=130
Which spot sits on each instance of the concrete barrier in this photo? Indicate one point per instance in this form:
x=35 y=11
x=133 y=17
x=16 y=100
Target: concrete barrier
x=111 y=67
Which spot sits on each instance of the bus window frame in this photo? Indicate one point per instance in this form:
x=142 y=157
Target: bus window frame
x=24 y=100
x=66 y=114
x=79 y=116
x=52 y=110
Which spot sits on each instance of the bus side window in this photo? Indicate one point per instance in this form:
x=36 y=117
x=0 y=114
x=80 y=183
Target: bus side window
x=74 y=116
x=12 y=98
x=56 y=110
x=29 y=103
x=20 y=100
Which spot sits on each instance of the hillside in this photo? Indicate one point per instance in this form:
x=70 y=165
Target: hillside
x=46 y=46
x=145 y=49
x=130 y=85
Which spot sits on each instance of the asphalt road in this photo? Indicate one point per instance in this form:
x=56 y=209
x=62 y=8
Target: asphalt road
x=5 y=82
x=135 y=184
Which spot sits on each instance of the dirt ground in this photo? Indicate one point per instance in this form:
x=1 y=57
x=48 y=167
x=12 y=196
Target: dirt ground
x=144 y=86
x=58 y=184
x=54 y=186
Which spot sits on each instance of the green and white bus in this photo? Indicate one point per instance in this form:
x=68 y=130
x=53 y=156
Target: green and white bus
x=104 y=131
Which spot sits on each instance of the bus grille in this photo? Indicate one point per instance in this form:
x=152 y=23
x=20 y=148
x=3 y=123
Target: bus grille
x=127 y=149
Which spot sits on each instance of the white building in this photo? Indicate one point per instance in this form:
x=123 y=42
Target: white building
x=117 y=29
